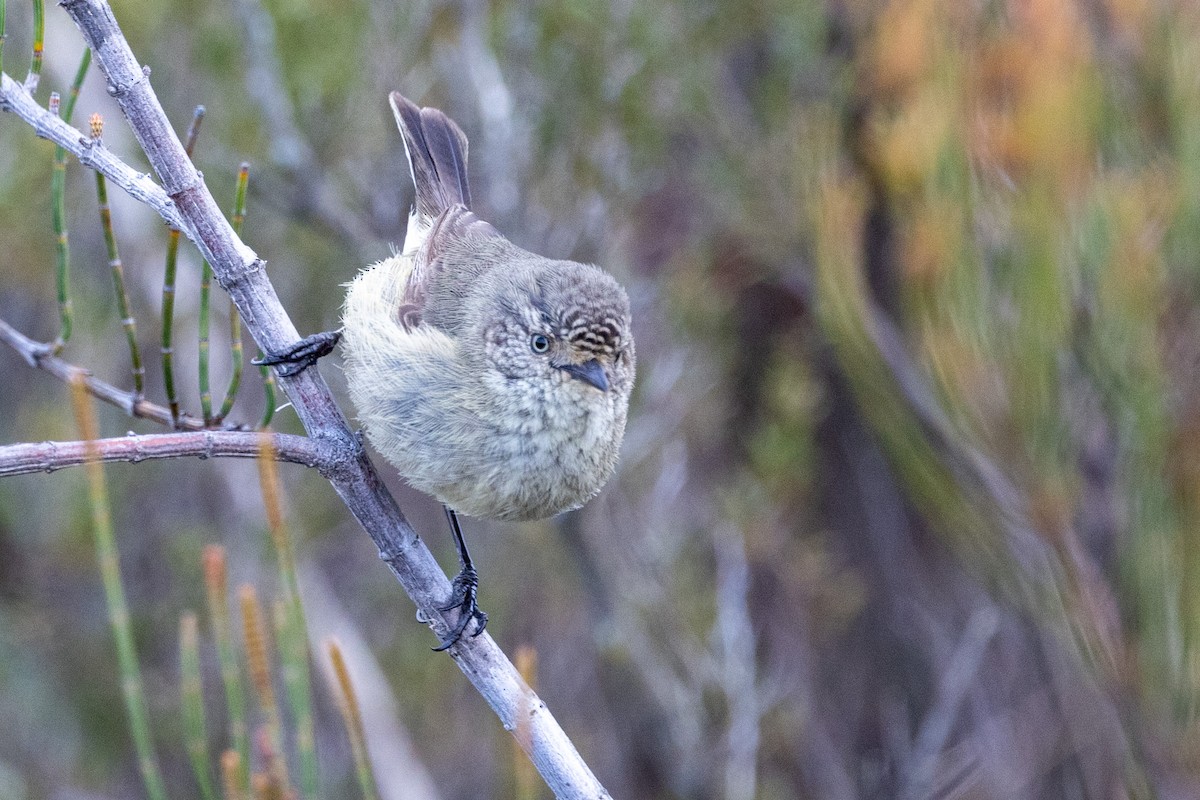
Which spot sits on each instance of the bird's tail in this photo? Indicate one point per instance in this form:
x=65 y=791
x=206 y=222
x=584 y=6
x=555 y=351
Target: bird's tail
x=437 y=157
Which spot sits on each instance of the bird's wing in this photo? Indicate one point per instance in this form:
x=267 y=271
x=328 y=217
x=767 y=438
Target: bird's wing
x=458 y=249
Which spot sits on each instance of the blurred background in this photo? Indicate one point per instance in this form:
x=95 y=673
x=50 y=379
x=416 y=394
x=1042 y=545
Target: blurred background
x=909 y=502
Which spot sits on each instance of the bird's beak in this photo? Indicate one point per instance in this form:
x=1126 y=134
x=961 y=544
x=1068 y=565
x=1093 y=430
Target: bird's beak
x=589 y=372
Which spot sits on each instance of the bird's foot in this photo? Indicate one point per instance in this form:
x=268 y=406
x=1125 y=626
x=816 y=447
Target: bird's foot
x=466 y=586
x=302 y=355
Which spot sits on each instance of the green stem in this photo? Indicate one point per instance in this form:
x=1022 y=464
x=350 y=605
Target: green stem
x=217 y=594
x=118 y=276
x=237 y=220
x=192 y=703
x=268 y=376
x=205 y=299
x=168 y=319
x=168 y=291
x=58 y=191
x=3 y=8
x=62 y=255
x=290 y=624
x=114 y=596
x=39 y=46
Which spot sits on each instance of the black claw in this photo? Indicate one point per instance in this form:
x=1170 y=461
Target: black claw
x=466 y=586
x=302 y=355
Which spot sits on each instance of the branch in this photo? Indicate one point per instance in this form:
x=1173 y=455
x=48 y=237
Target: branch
x=241 y=273
x=22 y=459
x=89 y=151
x=39 y=355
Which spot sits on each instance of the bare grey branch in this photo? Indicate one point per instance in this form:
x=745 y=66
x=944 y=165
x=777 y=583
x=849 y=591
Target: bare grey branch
x=25 y=458
x=40 y=355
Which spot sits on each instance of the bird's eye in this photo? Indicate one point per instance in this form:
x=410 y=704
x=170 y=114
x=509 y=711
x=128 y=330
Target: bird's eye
x=539 y=343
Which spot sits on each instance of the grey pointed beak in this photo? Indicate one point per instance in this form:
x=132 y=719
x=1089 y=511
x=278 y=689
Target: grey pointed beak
x=589 y=372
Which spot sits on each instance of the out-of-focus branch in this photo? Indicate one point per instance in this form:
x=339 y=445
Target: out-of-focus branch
x=737 y=644
x=40 y=355
x=26 y=458
x=241 y=273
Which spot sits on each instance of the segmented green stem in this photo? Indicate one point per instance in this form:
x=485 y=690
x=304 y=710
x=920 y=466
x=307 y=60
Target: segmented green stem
x=237 y=218
x=192 y=703
x=62 y=260
x=216 y=586
x=206 y=410
x=39 y=46
x=114 y=596
x=118 y=272
x=3 y=8
x=268 y=376
x=168 y=291
x=58 y=203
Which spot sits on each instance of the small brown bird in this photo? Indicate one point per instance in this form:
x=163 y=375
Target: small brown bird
x=492 y=378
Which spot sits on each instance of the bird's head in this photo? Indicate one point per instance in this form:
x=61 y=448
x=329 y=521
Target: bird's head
x=565 y=323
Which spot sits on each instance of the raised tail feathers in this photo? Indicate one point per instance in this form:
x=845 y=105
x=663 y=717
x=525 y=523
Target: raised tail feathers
x=437 y=156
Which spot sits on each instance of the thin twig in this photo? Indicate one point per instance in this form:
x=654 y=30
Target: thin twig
x=240 y=272
x=40 y=355
x=30 y=457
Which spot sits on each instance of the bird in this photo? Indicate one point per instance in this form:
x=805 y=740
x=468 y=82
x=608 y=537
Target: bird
x=492 y=378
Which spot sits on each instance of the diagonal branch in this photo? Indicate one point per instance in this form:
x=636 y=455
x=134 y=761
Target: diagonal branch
x=26 y=458
x=241 y=273
x=40 y=355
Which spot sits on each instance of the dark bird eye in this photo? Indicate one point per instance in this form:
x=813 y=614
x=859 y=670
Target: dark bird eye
x=539 y=342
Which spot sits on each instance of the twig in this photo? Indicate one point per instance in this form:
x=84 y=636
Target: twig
x=40 y=355
x=139 y=185
x=26 y=458
x=736 y=644
x=240 y=272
